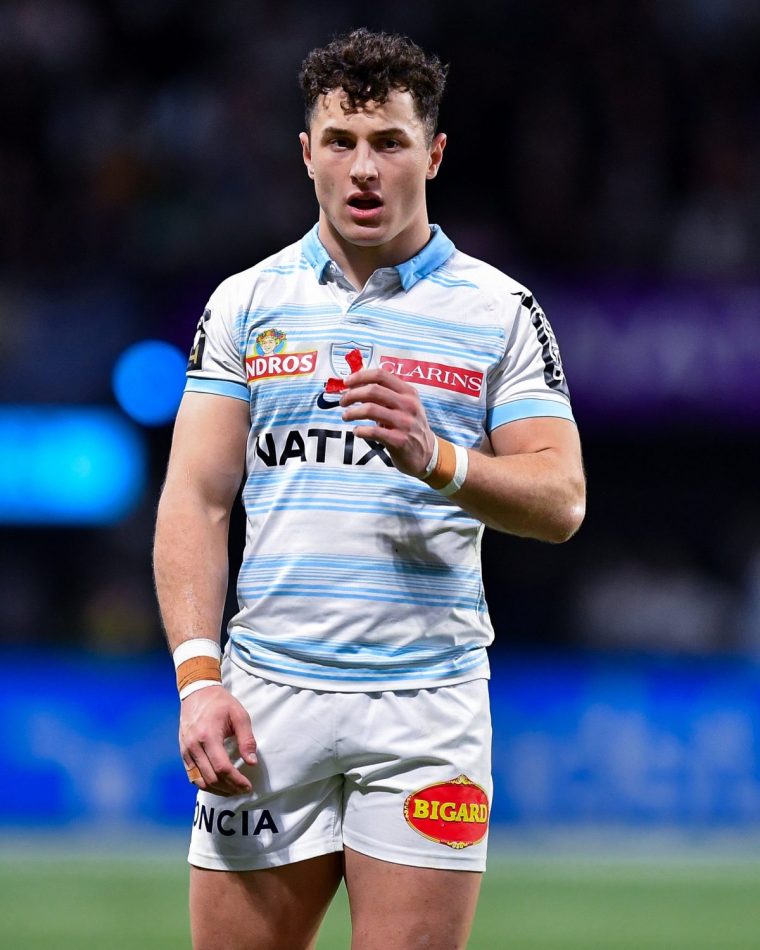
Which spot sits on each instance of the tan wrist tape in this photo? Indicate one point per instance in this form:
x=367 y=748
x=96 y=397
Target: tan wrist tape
x=198 y=668
x=450 y=468
x=445 y=465
x=197 y=661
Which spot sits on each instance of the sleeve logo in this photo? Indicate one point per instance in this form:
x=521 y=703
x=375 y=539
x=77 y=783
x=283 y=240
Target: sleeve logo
x=195 y=362
x=554 y=375
x=269 y=359
x=453 y=813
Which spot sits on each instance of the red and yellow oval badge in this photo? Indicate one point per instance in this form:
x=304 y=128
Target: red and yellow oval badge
x=454 y=813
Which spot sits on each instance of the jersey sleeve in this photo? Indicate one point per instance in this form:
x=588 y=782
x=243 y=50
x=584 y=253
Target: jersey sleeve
x=529 y=381
x=216 y=364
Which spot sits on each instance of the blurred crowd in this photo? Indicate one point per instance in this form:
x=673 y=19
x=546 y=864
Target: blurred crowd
x=149 y=148
x=155 y=137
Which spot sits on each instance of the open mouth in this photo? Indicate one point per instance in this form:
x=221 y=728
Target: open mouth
x=365 y=202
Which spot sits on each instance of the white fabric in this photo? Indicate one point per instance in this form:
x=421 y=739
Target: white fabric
x=336 y=768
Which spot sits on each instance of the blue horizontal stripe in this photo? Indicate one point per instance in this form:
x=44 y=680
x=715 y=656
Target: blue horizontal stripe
x=319 y=592
x=527 y=409
x=220 y=387
x=257 y=572
x=464 y=523
x=450 y=281
x=434 y=326
x=284 y=417
x=317 y=671
x=332 y=561
x=337 y=562
x=311 y=647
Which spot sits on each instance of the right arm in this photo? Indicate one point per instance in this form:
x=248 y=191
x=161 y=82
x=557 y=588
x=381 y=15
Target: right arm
x=206 y=467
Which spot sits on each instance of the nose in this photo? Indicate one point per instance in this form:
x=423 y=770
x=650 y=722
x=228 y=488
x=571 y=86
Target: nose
x=363 y=167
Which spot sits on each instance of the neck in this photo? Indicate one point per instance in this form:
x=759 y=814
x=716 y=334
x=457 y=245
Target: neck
x=359 y=263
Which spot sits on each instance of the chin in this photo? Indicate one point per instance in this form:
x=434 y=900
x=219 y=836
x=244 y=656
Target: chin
x=364 y=236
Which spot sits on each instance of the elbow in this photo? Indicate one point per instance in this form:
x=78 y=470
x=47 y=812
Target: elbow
x=567 y=518
x=566 y=525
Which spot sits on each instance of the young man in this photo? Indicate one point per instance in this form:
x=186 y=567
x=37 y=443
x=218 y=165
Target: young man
x=385 y=396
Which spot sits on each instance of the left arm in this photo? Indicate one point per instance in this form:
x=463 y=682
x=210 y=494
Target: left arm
x=533 y=485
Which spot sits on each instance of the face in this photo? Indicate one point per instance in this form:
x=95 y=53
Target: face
x=369 y=169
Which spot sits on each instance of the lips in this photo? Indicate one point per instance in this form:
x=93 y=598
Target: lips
x=365 y=206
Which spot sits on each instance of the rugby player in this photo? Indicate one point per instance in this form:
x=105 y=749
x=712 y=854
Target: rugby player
x=383 y=396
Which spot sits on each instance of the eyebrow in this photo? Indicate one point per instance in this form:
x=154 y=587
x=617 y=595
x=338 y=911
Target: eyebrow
x=379 y=133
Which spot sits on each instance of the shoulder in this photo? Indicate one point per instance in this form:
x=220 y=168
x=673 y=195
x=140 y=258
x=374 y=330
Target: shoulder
x=238 y=290
x=500 y=292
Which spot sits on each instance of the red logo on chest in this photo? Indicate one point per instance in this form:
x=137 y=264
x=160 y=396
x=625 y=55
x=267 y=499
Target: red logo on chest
x=454 y=378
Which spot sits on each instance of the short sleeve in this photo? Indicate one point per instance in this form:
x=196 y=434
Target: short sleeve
x=215 y=364
x=529 y=380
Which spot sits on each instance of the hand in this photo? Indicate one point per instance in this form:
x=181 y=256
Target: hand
x=207 y=718
x=395 y=406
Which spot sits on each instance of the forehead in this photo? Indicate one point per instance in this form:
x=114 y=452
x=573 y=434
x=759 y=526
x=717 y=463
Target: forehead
x=398 y=110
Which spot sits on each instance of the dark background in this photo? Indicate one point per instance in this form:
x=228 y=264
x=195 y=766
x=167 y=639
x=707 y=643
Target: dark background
x=149 y=149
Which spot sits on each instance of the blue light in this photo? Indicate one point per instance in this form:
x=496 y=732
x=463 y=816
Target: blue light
x=68 y=465
x=148 y=380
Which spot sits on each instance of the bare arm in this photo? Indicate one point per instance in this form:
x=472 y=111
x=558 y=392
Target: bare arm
x=532 y=486
x=205 y=470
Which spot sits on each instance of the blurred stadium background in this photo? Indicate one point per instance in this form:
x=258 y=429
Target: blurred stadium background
x=605 y=154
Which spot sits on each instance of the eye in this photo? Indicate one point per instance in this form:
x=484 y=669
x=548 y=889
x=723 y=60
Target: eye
x=391 y=145
x=339 y=143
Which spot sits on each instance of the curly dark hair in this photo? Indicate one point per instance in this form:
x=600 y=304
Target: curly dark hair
x=368 y=66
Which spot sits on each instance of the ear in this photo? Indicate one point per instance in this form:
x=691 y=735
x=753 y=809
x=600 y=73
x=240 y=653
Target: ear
x=436 y=155
x=306 y=147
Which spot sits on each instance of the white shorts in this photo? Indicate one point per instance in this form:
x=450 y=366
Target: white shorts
x=402 y=776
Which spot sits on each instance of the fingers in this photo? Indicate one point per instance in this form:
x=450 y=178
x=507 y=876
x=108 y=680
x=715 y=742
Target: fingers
x=205 y=724
x=389 y=408
x=381 y=377
x=225 y=775
x=241 y=724
x=211 y=770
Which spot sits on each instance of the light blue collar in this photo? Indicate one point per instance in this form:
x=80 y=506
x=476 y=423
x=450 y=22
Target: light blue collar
x=436 y=252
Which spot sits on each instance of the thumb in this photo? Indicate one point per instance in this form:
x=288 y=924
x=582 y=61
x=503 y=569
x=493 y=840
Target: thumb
x=241 y=725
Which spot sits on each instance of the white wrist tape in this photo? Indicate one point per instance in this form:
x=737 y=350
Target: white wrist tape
x=433 y=461
x=460 y=472
x=194 y=687
x=198 y=646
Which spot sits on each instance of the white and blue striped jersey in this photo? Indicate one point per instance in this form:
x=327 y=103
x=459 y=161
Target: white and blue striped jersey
x=355 y=576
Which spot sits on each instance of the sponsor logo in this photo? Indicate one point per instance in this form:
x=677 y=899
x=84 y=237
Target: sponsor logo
x=195 y=361
x=456 y=379
x=270 y=341
x=453 y=813
x=331 y=446
x=324 y=403
x=270 y=361
x=554 y=375
x=224 y=821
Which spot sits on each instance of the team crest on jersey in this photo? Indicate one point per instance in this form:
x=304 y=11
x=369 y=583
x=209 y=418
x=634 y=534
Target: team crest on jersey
x=339 y=351
x=340 y=361
x=270 y=359
x=453 y=813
